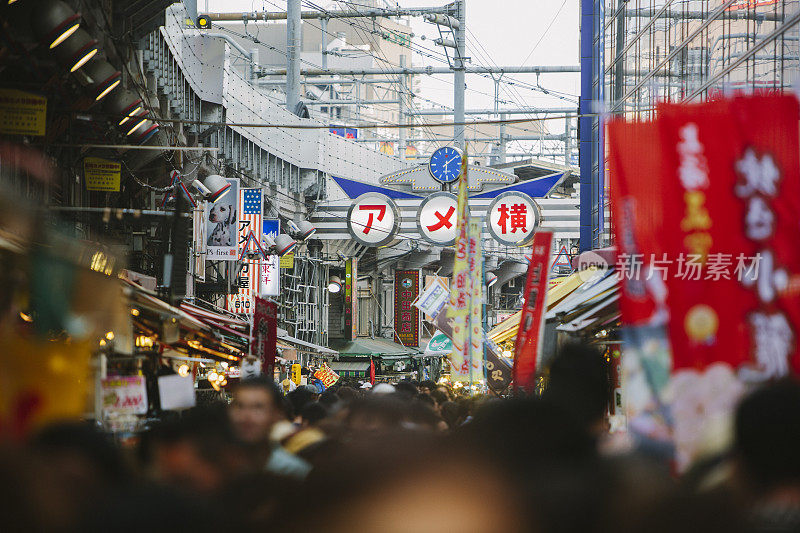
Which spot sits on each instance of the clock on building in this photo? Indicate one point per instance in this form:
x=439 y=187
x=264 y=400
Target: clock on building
x=445 y=164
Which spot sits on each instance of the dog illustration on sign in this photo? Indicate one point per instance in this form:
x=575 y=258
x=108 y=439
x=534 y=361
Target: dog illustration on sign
x=223 y=216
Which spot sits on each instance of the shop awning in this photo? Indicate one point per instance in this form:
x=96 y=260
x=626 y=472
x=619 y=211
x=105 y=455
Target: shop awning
x=367 y=347
x=507 y=329
x=599 y=284
x=349 y=366
x=596 y=314
x=303 y=346
x=195 y=336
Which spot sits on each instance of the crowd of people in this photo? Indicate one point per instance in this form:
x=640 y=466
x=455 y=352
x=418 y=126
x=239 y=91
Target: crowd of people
x=406 y=457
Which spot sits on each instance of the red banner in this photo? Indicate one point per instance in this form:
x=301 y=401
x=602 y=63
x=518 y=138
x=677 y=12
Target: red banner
x=528 y=344
x=709 y=229
x=265 y=334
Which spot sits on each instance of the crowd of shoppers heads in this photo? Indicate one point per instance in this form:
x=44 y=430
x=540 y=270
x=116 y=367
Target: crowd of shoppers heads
x=406 y=457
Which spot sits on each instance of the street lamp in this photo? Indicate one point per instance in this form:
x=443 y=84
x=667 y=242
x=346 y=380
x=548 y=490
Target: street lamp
x=217 y=186
x=281 y=245
x=77 y=50
x=302 y=230
x=126 y=104
x=334 y=285
x=104 y=77
x=491 y=279
x=54 y=22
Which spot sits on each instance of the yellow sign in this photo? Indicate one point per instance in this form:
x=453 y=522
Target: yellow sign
x=101 y=174
x=296 y=374
x=287 y=261
x=22 y=113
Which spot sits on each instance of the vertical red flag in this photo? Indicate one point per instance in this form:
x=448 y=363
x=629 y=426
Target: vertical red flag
x=372 y=371
x=638 y=216
x=708 y=198
x=528 y=344
x=265 y=334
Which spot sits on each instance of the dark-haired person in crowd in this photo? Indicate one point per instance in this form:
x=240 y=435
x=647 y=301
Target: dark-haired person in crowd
x=256 y=406
x=579 y=384
x=766 y=454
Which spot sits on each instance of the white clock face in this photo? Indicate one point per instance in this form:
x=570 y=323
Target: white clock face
x=445 y=164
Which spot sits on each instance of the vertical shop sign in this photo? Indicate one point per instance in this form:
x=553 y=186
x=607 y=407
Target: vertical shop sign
x=351 y=299
x=250 y=251
x=475 y=261
x=270 y=268
x=460 y=294
x=222 y=225
x=406 y=315
x=265 y=334
x=528 y=344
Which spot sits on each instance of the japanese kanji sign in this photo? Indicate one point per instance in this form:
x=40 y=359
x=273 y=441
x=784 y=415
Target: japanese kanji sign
x=406 y=315
x=265 y=334
x=22 y=113
x=373 y=219
x=461 y=289
x=351 y=299
x=727 y=173
x=436 y=218
x=101 y=174
x=250 y=251
x=327 y=376
x=512 y=218
x=528 y=344
x=270 y=269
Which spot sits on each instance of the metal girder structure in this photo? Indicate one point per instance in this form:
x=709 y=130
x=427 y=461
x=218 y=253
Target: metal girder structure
x=678 y=14
x=521 y=111
x=548 y=137
x=554 y=69
x=349 y=102
x=331 y=81
x=331 y=14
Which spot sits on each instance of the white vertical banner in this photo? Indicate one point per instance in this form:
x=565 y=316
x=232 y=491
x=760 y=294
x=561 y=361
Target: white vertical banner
x=270 y=284
x=222 y=224
x=199 y=244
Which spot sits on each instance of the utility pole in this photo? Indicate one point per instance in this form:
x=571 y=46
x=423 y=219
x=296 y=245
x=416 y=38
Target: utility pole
x=459 y=66
x=401 y=97
x=501 y=156
x=567 y=142
x=293 y=43
x=323 y=25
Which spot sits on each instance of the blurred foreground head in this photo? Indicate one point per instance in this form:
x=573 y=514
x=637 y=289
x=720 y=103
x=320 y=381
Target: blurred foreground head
x=579 y=384
x=409 y=481
x=767 y=437
x=196 y=453
x=257 y=405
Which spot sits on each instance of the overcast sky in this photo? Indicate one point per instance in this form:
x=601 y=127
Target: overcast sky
x=508 y=30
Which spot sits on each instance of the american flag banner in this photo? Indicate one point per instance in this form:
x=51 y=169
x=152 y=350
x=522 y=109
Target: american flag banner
x=250 y=230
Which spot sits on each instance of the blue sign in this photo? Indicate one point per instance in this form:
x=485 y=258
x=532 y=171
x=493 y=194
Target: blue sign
x=271 y=227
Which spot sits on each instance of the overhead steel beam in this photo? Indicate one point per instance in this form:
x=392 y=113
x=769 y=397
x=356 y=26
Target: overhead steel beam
x=529 y=111
x=548 y=137
x=330 y=81
x=554 y=69
x=678 y=14
x=349 y=102
x=329 y=14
